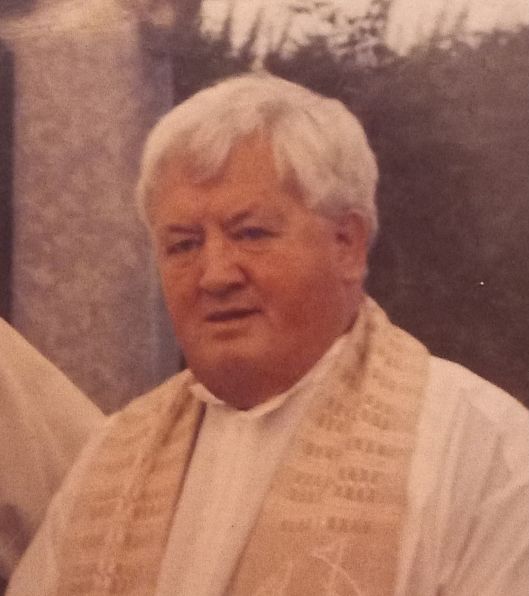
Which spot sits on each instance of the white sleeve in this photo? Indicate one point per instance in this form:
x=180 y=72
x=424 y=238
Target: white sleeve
x=494 y=560
x=37 y=572
x=44 y=422
x=467 y=532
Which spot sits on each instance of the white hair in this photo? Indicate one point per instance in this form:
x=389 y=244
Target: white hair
x=317 y=143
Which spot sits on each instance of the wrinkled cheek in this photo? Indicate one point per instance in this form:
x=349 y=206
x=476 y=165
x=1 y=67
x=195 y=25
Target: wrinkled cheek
x=308 y=310
x=297 y=315
x=185 y=327
x=168 y=290
x=181 y=316
x=174 y=311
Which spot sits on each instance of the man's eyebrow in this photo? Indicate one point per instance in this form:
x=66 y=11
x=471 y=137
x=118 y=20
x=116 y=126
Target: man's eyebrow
x=238 y=217
x=181 y=229
x=257 y=210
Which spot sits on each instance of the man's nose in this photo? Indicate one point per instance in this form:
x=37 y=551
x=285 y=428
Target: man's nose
x=220 y=268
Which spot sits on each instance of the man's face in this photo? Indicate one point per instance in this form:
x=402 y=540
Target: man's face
x=257 y=285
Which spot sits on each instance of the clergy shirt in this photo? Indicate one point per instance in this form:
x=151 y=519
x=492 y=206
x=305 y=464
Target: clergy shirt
x=234 y=459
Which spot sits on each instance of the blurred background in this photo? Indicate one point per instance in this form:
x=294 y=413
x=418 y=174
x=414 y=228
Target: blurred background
x=441 y=87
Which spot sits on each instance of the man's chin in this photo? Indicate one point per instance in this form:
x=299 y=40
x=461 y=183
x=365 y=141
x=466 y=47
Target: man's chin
x=223 y=362
x=228 y=366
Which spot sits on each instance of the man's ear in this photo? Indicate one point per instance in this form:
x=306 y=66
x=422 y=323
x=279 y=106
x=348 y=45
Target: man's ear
x=351 y=237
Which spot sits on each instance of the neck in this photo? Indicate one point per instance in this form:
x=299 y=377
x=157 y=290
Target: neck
x=244 y=385
x=244 y=390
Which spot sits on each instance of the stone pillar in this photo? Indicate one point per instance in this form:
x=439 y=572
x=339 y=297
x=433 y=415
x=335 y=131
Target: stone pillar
x=85 y=291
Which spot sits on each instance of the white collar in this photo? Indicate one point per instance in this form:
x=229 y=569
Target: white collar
x=310 y=379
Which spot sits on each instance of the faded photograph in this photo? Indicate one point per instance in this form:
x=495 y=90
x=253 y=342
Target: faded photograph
x=281 y=245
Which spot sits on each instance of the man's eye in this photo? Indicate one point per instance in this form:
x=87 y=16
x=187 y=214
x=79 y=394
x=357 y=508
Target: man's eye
x=181 y=247
x=252 y=233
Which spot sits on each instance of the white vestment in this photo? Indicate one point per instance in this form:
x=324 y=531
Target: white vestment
x=44 y=422
x=466 y=530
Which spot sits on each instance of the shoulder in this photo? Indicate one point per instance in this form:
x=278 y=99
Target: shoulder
x=462 y=406
x=133 y=419
x=470 y=434
x=138 y=415
x=156 y=399
x=461 y=384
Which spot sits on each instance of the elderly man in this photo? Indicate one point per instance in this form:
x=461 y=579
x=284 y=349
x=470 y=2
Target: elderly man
x=311 y=447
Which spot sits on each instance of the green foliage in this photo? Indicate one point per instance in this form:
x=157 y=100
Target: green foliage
x=200 y=59
x=449 y=123
x=451 y=130
x=16 y=7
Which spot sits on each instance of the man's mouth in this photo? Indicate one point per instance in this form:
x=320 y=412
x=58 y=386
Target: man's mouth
x=230 y=314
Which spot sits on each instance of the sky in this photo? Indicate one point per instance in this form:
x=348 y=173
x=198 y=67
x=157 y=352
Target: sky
x=410 y=20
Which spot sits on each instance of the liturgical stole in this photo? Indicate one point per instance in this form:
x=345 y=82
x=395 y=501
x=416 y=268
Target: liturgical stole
x=331 y=520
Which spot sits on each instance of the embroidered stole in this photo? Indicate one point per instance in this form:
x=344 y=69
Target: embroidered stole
x=331 y=520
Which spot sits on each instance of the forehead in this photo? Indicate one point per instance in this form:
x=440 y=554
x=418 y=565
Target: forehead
x=248 y=180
